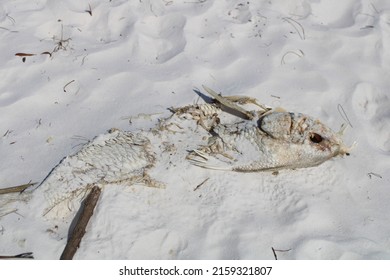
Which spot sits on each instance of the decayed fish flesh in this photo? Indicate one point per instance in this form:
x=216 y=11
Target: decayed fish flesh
x=220 y=135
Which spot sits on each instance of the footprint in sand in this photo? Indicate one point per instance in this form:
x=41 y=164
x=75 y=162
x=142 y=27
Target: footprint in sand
x=219 y=234
x=240 y=13
x=323 y=248
x=287 y=206
x=159 y=39
x=158 y=244
x=268 y=204
x=371 y=107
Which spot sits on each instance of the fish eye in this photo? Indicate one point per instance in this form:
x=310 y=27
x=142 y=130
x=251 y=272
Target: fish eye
x=315 y=138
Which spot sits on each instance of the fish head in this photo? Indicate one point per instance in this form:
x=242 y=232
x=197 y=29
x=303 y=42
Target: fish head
x=310 y=140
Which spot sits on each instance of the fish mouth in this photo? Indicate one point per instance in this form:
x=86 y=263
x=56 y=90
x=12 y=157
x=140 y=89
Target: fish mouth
x=345 y=150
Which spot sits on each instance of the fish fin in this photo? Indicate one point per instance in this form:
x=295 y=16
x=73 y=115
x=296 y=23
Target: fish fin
x=203 y=160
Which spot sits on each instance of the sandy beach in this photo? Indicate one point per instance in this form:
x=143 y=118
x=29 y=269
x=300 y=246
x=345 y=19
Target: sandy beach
x=71 y=70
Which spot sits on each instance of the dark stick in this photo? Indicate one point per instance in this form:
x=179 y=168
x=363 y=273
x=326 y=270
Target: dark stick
x=28 y=255
x=79 y=230
x=198 y=186
x=273 y=250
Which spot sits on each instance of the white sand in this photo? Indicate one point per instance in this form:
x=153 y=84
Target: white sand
x=132 y=58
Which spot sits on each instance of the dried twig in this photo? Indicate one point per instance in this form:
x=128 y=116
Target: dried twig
x=275 y=250
x=367 y=27
x=39 y=123
x=9 y=212
x=7 y=133
x=167 y=3
x=83 y=60
x=195 y=2
x=90 y=10
x=370 y=174
x=296 y=24
x=11 y=18
x=291 y=52
x=62 y=43
x=226 y=102
x=198 y=186
x=24 y=54
x=49 y=53
x=28 y=255
x=15 y=189
x=78 y=232
x=12 y=31
x=343 y=114
x=64 y=88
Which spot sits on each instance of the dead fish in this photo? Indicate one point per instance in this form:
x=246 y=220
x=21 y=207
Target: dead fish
x=278 y=140
x=219 y=135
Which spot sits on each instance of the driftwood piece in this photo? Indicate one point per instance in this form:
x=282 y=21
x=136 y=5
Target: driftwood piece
x=20 y=188
x=79 y=229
